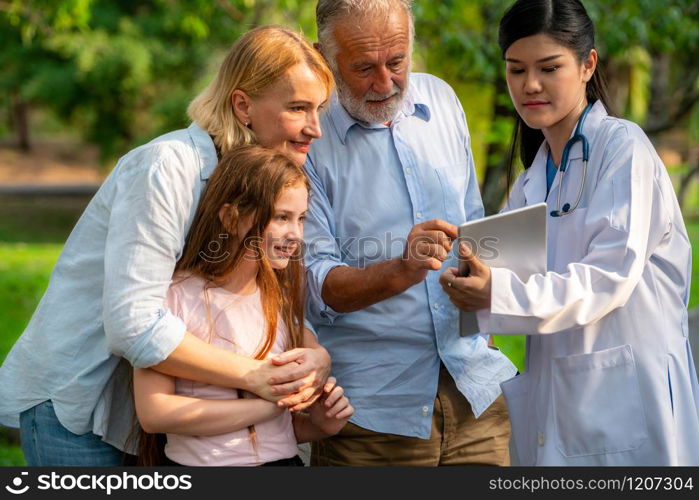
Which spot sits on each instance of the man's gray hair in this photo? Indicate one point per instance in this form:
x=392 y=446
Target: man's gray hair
x=328 y=11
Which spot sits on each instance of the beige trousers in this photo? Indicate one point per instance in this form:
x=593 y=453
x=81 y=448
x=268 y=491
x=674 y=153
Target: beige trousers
x=457 y=438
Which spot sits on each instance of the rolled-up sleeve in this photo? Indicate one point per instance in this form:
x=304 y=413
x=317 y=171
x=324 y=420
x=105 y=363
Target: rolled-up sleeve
x=322 y=251
x=150 y=212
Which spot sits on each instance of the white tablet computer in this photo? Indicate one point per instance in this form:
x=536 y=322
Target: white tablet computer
x=515 y=240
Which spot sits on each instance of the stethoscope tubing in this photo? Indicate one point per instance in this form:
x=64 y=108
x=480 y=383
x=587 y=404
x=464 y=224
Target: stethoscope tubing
x=577 y=136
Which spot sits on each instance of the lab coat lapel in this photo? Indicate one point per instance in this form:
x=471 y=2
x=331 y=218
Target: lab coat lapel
x=534 y=185
x=573 y=175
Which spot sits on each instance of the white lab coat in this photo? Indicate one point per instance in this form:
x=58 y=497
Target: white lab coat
x=610 y=378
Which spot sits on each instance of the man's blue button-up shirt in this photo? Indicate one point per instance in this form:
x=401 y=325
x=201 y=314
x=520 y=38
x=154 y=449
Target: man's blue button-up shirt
x=370 y=185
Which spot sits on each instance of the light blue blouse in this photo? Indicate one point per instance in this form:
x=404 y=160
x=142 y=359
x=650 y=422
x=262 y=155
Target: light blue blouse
x=105 y=296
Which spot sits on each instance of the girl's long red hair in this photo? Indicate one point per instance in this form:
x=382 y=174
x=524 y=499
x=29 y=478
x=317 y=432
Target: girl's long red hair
x=249 y=180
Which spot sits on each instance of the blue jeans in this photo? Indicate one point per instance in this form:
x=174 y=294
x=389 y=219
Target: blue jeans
x=45 y=442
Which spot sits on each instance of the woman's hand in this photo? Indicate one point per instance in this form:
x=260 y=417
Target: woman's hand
x=472 y=292
x=303 y=392
x=293 y=379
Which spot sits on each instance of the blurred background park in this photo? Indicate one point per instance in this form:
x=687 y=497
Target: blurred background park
x=84 y=81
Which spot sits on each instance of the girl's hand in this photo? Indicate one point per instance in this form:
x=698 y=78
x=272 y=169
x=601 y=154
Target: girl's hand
x=301 y=392
x=332 y=410
x=472 y=292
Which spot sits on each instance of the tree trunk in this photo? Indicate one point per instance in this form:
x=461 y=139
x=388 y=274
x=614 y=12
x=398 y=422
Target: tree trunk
x=659 y=105
x=686 y=179
x=616 y=72
x=20 y=121
x=494 y=185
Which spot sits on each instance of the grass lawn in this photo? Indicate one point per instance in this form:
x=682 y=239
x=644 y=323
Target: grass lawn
x=24 y=274
x=32 y=232
x=10 y=453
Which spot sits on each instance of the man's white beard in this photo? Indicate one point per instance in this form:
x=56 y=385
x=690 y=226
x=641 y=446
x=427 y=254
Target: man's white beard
x=370 y=113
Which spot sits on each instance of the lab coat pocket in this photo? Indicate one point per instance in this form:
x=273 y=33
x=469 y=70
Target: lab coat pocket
x=597 y=403
x=516 y=391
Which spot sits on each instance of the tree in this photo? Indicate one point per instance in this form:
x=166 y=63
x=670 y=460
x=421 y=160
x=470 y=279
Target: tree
x=122 y=72
x=457 y=39
x=117 y=71
x=22 y=60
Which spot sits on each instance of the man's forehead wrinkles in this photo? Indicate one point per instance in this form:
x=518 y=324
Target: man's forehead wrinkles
x=363 y=42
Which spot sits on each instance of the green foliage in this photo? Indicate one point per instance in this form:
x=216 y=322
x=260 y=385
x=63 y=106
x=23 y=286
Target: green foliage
x=106 y=67
x=660 y=27
x=512 y=346
x=693 y=231
x=457 y=40
x=123 y=72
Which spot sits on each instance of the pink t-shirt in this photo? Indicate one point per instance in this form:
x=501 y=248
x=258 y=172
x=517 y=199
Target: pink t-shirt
x=239 y=326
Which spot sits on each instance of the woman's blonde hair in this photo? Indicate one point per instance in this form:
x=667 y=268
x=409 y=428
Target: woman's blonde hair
x=257 y=60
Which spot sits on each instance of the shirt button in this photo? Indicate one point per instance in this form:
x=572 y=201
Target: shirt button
x=408 y=171
x=425 y=410
x=436 y=306
x=418 y=215
x=541 y=439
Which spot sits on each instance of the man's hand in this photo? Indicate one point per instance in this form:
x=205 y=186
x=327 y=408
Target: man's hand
x=468 y=293
x=428 y=246
x=300 y=392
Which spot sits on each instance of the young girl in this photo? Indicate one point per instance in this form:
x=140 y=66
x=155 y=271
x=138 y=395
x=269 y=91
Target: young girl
x=610 y=378
x=239 y=285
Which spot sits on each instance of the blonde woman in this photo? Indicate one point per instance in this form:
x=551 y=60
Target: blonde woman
x=66 y=382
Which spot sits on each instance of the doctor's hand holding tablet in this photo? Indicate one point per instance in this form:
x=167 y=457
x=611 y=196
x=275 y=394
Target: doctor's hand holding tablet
x=609 y=378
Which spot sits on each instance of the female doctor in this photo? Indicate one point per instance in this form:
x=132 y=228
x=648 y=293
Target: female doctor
x=610 y=378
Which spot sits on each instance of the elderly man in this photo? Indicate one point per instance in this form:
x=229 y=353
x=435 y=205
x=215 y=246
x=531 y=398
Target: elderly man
x=393 y=166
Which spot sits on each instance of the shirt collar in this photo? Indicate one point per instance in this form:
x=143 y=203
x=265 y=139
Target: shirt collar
x=342 y=121
x=205 y=149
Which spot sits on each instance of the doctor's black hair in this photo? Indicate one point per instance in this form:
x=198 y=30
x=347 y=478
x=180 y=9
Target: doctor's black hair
x=567 y=22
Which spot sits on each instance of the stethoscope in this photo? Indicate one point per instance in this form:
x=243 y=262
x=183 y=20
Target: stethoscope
x=566 y=209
